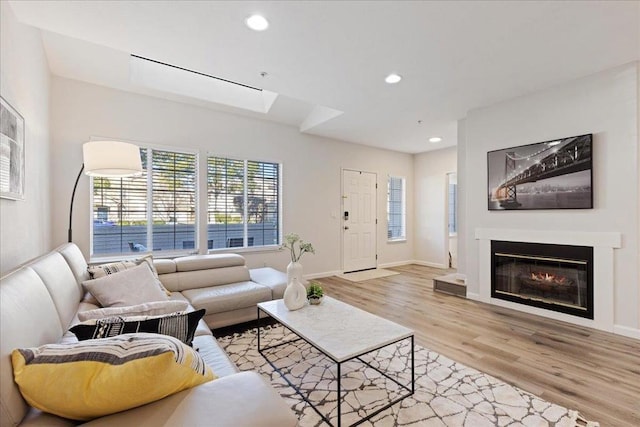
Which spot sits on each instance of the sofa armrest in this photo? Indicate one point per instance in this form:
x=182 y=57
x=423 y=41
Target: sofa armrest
x=243 y=399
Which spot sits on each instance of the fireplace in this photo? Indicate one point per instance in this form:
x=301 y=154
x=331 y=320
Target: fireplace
x=549 y=276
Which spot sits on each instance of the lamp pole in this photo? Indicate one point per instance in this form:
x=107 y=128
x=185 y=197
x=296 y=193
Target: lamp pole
x=73 y=195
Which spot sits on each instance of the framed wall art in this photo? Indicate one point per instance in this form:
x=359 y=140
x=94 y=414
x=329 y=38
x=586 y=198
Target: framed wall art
x=12 y=173
x=547 y=175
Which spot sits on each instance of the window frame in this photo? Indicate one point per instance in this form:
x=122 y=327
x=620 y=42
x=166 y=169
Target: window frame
x=403 y=208
x=243 y=249
x=452 y=211
x=149 y=212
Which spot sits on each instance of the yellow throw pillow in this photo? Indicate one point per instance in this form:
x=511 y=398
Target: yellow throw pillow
x=98 y=377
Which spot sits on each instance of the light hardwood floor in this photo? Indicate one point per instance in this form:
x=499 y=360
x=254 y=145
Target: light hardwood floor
x=594 y=372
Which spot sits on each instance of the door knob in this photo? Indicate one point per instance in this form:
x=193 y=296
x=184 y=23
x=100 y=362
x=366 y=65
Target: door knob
x=346 y=228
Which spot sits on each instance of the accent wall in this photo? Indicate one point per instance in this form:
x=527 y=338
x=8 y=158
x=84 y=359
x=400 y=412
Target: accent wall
x=606 y=105
x=25 y=225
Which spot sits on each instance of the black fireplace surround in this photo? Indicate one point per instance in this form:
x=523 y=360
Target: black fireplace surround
x=553 y=277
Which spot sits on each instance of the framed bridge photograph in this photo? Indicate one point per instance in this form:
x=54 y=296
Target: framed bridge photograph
x=553 y=174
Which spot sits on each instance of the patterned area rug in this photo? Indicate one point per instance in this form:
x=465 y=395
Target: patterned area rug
x=447 y=393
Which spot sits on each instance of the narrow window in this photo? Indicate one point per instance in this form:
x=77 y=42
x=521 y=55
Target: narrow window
x=453 y=204
x=396 y=209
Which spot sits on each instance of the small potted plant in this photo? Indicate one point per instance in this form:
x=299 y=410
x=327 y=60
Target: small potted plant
x=315 y=293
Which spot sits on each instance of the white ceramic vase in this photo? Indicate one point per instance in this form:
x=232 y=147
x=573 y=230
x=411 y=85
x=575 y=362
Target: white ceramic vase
x=295 y=295
x=294 y=271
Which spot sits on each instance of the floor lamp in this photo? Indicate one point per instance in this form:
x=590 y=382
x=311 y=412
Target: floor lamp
x=108 y=159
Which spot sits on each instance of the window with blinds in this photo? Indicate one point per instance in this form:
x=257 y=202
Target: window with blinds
x=396 y=209
x=152 y=212
x=453 y=206
x=243 y=203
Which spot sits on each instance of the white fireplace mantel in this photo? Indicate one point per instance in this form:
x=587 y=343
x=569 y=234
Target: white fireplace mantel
x=603 y=244
x=577 y=238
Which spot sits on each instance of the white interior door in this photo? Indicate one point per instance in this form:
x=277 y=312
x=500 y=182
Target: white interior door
x=358 y=220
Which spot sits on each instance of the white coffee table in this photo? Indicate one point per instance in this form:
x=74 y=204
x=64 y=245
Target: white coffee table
x=342 y=333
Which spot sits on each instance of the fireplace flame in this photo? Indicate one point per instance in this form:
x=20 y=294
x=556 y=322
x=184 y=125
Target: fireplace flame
x=546 y=277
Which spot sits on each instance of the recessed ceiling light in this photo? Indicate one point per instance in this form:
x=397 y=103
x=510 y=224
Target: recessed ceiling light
x=435 y=139
x=393 y=78
x=257 y=22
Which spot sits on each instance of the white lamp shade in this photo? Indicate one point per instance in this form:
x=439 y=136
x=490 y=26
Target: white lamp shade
x=111 y=158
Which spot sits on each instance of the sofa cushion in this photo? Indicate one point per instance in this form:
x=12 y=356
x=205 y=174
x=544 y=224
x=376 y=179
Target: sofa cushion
x=164 y=266
x=28 y=318
x=61 y=283
x=129 y=287
x=244 y=399
x=76 y=261
x=205 y=262
x=184 y=280
x=214 y=356
x=153 y=308
x=203 y=328
x=178 y=325
x=274 y=279
x=218 y=299
x=96 y=377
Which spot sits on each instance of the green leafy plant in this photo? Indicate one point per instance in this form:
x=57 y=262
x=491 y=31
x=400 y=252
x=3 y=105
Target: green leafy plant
x=297 y=246
x=315 y=291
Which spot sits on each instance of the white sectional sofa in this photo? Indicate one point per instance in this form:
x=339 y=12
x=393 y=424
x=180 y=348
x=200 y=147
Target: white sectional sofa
x=40 y=301
x=221 y=284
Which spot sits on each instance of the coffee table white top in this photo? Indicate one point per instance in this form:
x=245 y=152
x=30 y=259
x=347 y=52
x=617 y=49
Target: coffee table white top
x=339 y=330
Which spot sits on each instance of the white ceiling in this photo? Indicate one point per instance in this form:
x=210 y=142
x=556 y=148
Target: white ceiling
x=454 y=56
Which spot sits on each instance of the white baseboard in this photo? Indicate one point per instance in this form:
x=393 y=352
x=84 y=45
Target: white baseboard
x=325 y=274
x=430 y=264
x=627 y=331
x=395 y=264
x=474 y=296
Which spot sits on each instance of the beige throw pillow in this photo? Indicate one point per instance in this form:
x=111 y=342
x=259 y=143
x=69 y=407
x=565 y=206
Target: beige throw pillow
x=148 y=309
x=101 y=270
x=129 y=287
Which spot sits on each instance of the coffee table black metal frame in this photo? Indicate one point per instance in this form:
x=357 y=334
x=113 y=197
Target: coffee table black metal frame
x=410 y=389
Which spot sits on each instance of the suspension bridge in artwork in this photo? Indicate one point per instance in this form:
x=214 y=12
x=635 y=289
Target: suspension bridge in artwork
x=553 y=159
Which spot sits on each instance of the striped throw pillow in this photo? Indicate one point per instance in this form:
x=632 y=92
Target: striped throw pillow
x=178 y=325
x=93 y=378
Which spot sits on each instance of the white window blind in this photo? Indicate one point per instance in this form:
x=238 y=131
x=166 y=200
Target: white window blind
x=243 y=203
x=396 y=210
x=453 y=208
x=122 y=207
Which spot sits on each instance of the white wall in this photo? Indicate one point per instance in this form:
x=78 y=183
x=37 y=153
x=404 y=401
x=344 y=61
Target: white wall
x=311 y=165
x=430 y=196
x=605 y=104
x=462 y=195
x=25 y=226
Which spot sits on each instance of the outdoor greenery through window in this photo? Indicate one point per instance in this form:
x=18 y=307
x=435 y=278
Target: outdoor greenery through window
x=396 y=210
x=152 y=212
x=243 y=203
